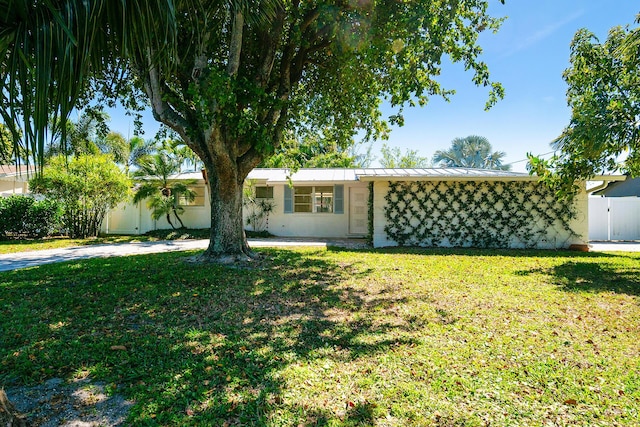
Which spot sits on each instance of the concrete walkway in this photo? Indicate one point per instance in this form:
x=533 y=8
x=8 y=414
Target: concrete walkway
x=30 y=259
x=614 y=246
x=18 y=260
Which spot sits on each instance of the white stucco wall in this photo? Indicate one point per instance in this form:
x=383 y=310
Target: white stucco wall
x=555 y=239
x=13 y=185
x=128 y=218
x=136 y=219
x=325 y=225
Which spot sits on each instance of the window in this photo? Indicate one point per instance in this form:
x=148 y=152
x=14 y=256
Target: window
x=264 y=192
x=197 y=201
x=323 y=199
x=313 y=199
x=302 y=199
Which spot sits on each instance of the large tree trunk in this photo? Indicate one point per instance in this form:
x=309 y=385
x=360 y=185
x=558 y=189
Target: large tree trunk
x=227 y=242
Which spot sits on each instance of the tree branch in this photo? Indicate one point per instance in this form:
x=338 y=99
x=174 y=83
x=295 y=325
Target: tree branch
x=235 y=45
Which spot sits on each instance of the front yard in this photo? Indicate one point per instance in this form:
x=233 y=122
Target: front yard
x=336 y=337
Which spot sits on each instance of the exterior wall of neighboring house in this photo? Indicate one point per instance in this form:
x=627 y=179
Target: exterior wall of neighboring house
x=614 y=218
x=458 y=210
x=12 y=185
x=13 y=181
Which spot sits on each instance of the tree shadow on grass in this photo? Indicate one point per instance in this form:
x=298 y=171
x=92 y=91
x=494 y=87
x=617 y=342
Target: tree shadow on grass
x=584 y=275
x=193 y=345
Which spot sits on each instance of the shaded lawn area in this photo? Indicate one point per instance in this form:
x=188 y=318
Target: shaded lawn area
x=318 y=337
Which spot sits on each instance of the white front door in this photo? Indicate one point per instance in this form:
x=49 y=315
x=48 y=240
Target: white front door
x=358 y=198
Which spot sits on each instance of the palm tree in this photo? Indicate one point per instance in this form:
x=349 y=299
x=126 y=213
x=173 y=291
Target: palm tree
x=129 y=153
x=51 y=49
x=155 y=184
x=471 y=152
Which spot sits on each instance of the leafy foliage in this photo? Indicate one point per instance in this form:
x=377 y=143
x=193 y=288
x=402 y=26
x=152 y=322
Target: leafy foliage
x=155 y=184
x=604 y=95
x=476 y=214
x=86 y=186
x=257 y=209
x=51 y=50
x=471 y=152
x=6 y=145
x=232 y=78
x=24 y=216
x=392 y=157
x=313 y=152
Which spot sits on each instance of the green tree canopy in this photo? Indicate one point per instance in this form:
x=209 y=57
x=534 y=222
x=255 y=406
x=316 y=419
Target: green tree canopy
x=604 y=95
x=6 y=145
x=86 y=186
x=233 y=77
x=313 y=152
x=392 y=157
x=471 y=152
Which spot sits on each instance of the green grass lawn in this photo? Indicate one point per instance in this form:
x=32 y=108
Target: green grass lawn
x=333 y=337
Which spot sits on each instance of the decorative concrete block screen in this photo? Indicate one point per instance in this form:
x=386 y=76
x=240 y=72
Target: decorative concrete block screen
x=484 y=214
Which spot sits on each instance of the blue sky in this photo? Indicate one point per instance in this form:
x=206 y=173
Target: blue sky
x=528 y=56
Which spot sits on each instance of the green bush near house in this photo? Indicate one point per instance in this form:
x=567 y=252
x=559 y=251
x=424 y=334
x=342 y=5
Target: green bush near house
x=24 y=216
x=86 y=187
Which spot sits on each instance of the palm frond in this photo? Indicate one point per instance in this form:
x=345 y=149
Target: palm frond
x=50 y=49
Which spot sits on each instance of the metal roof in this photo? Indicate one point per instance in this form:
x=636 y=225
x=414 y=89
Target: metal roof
x=6 y=170
x=16 y=173
x=371 y=174
x=441 y=173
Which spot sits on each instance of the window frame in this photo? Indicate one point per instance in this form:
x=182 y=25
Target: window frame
x=314 y=199
x=268 y=189
x=198 y=202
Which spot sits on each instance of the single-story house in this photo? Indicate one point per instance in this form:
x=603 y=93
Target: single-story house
x=14 y=179
x=447 y=207
x=614 y=211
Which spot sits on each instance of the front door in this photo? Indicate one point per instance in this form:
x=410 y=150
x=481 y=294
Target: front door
x=358 y=197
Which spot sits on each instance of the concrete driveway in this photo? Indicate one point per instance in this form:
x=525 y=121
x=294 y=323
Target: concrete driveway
x=30 y=259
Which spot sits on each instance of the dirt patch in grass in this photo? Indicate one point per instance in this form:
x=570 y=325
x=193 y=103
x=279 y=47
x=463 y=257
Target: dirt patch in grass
x=77 y=403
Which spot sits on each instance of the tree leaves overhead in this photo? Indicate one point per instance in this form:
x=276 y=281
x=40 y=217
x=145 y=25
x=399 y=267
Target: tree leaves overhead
x=604 y=94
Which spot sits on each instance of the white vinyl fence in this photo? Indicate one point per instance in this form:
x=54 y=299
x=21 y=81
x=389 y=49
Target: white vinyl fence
x=614 y=218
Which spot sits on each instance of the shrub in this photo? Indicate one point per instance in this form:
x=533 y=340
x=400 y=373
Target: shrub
x=23 y=216
x=86 y=187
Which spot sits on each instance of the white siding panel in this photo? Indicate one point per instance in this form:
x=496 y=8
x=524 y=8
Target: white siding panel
x=598 y=218
x=614 y=218
x=625 y=218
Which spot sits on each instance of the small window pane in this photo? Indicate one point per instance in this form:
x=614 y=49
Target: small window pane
x=197 y=201
x=302 y=198
x=324 y=199
x=264 y=192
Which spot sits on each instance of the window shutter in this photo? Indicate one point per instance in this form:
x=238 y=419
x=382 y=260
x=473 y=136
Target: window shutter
x=288 y=199
x=338 y=199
